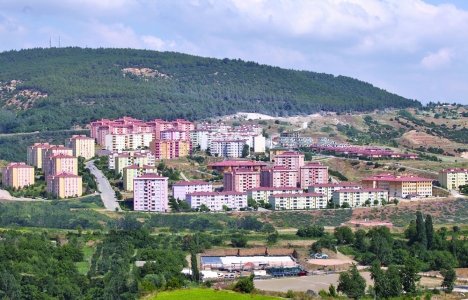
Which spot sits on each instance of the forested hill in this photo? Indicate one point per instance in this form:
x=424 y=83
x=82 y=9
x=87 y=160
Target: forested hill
x=59 y=87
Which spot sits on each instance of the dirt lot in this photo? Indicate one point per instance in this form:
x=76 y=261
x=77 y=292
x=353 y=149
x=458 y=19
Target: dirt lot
x=318 y=282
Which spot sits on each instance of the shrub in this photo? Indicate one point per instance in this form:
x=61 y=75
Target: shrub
x=245 y=285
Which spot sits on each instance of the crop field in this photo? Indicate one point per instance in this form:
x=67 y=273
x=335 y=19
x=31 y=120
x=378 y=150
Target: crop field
x=207 y=294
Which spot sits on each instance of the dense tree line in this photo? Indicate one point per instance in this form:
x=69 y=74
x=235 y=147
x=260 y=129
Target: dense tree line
x=83 y=85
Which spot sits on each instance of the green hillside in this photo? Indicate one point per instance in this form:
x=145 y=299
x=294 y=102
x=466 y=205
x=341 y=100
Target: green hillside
x=60 y=87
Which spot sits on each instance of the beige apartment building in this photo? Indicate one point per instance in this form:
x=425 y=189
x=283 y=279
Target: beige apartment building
x=60 y=163
x=168 y=149
x=35 y=154
x=17 y=174
x=65 y=185
x=81 y=145
x=52 y=150
x=130 y=159
x=453 y=178
x=131 y=172
x=400 y=186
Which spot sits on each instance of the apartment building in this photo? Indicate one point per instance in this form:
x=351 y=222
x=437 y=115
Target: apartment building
x=199 y=138
x=278 y=177
x=241 y=180
x=358 y=197
x=262 y=193
x=173 y=134
x=137 y=157
x=276 y=151
x=35 y=154
x=128 y=141
x=313 y=173
x=65 y=185
x=167 y=149
x=60 y=163
x=453 y=178
x=227 y=148
x=17 y=175
x=232 y=165
x=216 y=200
x=290 y=159
x=181 y=189
x=328 y=188
x=400 y=186
x=150 y=193
x=291 y=139
x=131 y=172
x=52 y=150
x=81 y=145
x=297 y=201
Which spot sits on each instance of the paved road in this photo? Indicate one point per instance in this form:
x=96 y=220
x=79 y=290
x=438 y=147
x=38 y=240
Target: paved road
x=183 y=176
x=107 y=193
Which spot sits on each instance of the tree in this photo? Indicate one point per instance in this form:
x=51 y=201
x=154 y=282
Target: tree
x=394 y=288
x=273 y=238
x=239 y=240
x=344 y=235
x=421 y=229
x=380 y=280
x=352 y=284
x=195 y=271
x=245 y=151
x=245 y=284
x=268 y=228
x=203 y=207
x=429 y=232
x=10 y=287
x=382 y=250
x=449 y=278
x=252 y=203
x=409 y=274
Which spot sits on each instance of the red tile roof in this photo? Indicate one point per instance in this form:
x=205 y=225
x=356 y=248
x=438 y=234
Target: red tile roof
x=185 y=183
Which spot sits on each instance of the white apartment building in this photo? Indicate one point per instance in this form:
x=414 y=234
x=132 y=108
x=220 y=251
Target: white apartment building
x=298 y=201
x=181 y=189
x=199 y=137
x=227 y=148
x=216 y=200
x=129 y=158
x=150 y=193
x=328 y=188
x=453 y=178
x=358 y=197
x=263 y=193
x=127 y=141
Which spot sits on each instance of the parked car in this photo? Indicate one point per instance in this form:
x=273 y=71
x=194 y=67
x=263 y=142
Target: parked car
x=319 y=256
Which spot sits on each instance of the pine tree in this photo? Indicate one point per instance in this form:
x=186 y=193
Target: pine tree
x=429 y=232
x=421 y=229
x=195 y=271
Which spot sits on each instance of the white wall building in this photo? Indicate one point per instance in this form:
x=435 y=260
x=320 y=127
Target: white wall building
x=128 y=141
x=358 y=197
x=263 y=193
x=181 y=189
x=227 y=148
x=150 y=193
x=216 y=200
x=328 y=188
x=298 y=201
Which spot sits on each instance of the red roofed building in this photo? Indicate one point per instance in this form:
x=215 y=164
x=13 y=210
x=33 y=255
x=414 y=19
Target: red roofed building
x=313 y=173
x=400 y=186
x=17 y=174
x=35 y=154
x=278 y=177
x=65 y=185
x=230 y=165
x=290 y=159
x=60 y=163
x=150 y=193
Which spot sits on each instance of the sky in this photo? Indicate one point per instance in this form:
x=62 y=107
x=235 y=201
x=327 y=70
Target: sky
x=417 y=49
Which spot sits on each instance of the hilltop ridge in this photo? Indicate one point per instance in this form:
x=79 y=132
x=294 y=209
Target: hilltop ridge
x=56 y=88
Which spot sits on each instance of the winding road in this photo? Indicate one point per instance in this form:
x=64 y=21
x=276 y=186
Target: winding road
x=107 y=193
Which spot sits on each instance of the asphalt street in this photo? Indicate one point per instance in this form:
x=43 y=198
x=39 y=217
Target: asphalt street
x=107 y=193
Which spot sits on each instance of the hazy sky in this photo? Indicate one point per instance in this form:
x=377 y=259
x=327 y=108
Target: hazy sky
x=415 y=48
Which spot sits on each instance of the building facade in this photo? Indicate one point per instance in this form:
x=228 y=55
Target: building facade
x=167 y=149
x=328 y=188
x=52 y=150
x=128 y=141
x=131 y=172
x=17 y=175
x=65 y=185
x=81 y=145
x=358 y=197
x=453 y=178
x=181 y=189
x=290 y=159
x=129 y=158
x=262 y=193
x=60 y=163
x=232 y=165
x=400 y=186
x=150 y=193
x=278 y=177
x=297 y=201
x=241 y=180
x=313 y=173
x=216 y=200
x=35 y=154
x=227 y=148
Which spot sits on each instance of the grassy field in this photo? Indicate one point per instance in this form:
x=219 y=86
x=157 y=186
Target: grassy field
x=206 y=294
